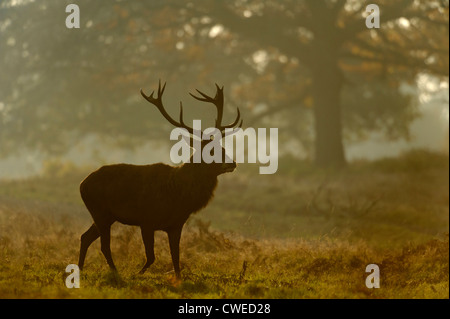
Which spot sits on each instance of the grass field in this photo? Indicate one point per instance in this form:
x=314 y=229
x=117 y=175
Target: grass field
x=301 y=233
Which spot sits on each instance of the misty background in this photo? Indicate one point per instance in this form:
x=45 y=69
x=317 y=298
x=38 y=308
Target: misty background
x=73 y=94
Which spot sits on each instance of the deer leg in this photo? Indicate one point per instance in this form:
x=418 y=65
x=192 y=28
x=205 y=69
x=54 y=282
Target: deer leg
x=148 y=237
x=86 y=240
x=105 y=239
x=174 y=243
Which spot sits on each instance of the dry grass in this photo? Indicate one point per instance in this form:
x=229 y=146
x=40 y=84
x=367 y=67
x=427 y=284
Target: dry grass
x=37 y=245
x=296 y=235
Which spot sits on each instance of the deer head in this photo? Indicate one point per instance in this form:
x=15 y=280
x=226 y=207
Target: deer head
x=216 y=168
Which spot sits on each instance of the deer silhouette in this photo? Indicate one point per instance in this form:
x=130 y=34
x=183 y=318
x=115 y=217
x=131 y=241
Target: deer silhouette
x=153 y=197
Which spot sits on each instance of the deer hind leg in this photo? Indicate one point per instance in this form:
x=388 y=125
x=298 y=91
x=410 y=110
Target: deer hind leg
x=174 y=243
x=148 y=237
x=105 y=240
x=86 y=240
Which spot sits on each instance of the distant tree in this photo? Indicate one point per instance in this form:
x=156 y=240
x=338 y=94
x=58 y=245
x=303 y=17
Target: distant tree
x=331 y=40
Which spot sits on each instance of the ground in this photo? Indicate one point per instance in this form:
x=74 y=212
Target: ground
x=302 y=233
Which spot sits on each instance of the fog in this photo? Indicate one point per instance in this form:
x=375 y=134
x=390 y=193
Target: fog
x=75 y=96
x=429 y=132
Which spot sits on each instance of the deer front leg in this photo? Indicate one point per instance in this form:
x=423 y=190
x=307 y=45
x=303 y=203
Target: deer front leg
x=174 y=243
x=105 y=241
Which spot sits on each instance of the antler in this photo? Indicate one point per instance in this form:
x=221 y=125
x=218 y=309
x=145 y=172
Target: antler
x=158 y=103
x=218 y=102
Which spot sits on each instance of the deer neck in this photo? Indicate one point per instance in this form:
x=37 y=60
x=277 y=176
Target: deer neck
x=197 y=176
x=195 y=185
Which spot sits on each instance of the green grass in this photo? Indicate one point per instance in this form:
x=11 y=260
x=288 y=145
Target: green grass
x=302 y=233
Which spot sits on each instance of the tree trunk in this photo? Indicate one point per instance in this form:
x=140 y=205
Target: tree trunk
x=326 y=92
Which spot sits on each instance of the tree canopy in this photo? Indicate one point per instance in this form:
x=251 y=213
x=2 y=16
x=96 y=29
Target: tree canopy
x=310 y=67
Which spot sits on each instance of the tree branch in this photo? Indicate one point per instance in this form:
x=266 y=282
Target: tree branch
x=273 y=110
x=266 y=30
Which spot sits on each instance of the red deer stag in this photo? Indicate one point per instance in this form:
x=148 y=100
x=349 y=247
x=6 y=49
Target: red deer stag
x=154 y=197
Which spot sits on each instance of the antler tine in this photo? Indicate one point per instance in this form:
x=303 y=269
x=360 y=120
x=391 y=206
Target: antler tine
x=158 y=103
x=217 y=101
x=205 y=98
x=150 y=97
x=234 y=130
x=235 y=121
x=219 y=106
x=143 y=94
x=160 y=92
x=147 y=97
x=181 y=114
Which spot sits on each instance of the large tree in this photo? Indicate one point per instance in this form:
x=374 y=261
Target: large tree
x=329 y=37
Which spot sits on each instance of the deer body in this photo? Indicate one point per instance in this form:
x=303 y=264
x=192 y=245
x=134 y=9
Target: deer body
x=153 y=197
x=159 y=196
